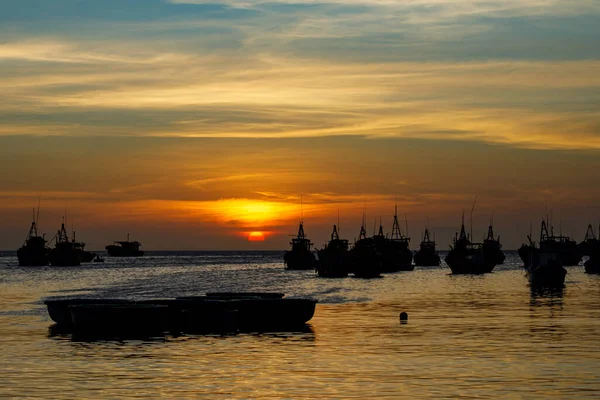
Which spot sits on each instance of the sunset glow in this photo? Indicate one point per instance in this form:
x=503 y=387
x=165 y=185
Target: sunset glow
x=205 y=135
x=256 y=237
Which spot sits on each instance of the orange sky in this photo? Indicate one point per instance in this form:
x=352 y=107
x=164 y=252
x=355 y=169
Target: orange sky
x=191 y=123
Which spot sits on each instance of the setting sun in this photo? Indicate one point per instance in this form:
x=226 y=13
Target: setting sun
x=256 y=237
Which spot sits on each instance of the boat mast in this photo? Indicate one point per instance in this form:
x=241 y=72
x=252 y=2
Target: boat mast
x=472 y=209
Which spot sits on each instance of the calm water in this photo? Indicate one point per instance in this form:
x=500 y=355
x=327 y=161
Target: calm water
x=481 y=336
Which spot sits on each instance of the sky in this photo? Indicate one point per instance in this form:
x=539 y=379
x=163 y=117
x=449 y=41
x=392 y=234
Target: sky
x=190 y=124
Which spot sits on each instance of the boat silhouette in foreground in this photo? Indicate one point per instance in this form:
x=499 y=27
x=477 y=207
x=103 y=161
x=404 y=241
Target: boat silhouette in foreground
x=224 y=313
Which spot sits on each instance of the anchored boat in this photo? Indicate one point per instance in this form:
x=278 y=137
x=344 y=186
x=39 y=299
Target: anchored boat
x=33 y=252
x=125 y=249
x=466 y=257
x=64 y=252
x=334 y=258
x=215 y=312
x=366 y=261
x=427 y=255
x=300 y=256
x=394 y=251
x=566 y=250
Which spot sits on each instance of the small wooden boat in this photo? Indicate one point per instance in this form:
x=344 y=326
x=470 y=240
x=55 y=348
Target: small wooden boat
x=215 y=312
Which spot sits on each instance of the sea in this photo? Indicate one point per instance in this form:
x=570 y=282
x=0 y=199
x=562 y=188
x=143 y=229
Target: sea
x=488 y=336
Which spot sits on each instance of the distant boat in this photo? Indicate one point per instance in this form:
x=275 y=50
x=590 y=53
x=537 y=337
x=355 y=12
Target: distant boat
x=98 y=259
x=125 y=249
x=395 y=253
x=366 y=261
x=427 y=255
x=33 y=252
x=300 y=257
x=334 y=258
x=566 y=250
x=466 y=257
x=64 y=253
x=591 y=247
x=492 y=247
x=84 y=256
x=544 y=267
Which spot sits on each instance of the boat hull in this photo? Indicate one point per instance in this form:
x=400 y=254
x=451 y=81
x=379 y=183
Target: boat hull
x=219 y=312
x=32 y=257
x=469 y=262
x=299 y=260
x=427 y=259
x=118 y=251
x=550 y=275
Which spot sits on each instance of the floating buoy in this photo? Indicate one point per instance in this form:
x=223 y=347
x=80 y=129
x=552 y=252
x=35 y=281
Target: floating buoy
x=403 y=317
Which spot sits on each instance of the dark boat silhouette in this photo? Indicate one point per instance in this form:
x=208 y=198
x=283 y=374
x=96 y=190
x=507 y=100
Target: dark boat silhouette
x=466 y=257
x=218 y=312
x=544 y=264
x=33 y=253
x=590 y=246
x=365 y=259
x=334 y=258
x=64 y=253
x=427 y=255
x=84 y=256
x=125 y=249
x=492 y=247
x=300 y=257
x=566 y=250
x=395 y=254
x=98 y=259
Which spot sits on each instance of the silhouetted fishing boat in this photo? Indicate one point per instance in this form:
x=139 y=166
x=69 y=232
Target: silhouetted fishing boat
x=395 y=254
x=125 y=249
x=492 y=248
x=300 y=257
x=590 y=247
x=466 y=257
x=566 y=250
x=64 y=253
x=548 y=272
x=365 y=260
x=33 y=252
x=84 y=256
x=427 y=255
x=334 y=258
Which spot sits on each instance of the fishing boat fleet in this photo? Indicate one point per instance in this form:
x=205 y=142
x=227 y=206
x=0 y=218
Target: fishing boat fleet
x=63 y=251
x=371 y=256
